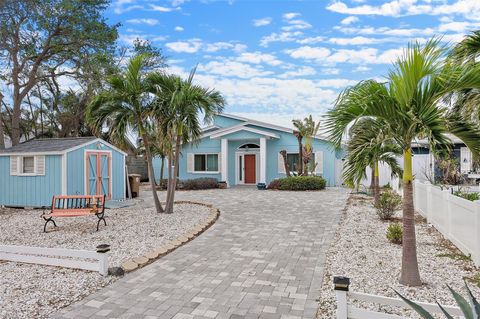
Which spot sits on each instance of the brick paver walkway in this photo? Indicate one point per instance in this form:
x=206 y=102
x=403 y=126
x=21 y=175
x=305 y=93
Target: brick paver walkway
x=262 y=259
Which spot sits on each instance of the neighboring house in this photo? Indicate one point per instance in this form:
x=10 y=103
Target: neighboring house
x=242 y=151
x=32 y=172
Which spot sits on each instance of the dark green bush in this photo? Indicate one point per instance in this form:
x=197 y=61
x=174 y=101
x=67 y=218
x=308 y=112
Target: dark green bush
x=298 y=183
x=388 y=203
x=191 y=184
x=395 y=233
x=468 y=196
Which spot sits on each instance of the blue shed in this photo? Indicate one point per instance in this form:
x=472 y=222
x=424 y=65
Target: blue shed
x=33 y=171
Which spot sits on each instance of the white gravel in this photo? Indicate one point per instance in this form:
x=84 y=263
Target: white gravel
x=361 y=251
x=35 y=291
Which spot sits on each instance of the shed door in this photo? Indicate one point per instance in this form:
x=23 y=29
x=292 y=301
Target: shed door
x=98 y=173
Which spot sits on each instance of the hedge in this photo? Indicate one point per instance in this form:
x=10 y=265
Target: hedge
x=192 y=184
x=298 y=183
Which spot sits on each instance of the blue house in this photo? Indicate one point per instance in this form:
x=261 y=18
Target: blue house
x=33 y=171
x=242 y=151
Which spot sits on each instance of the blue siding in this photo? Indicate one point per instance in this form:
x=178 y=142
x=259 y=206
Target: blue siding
x=33 y=191
x=76 y=170
x=287 y=141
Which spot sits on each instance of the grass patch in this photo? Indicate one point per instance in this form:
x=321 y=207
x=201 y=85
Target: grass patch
x=456 y=256
x=475 y=279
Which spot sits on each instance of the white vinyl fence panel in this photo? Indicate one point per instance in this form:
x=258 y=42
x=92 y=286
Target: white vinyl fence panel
x=456 y=218
x=60 y=257
x=346 y=310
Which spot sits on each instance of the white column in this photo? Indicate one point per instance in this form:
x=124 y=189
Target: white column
x=263 y=160
x=224 y=164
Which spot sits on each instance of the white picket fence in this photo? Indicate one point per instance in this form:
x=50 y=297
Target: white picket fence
x=456 y=218
x=61 y=257
x=346 y=310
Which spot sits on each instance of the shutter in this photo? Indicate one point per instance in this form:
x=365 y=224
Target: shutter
x=40 y=165
x=281 y=165
x=13 y=165
x=190 y=162
x=319 y=163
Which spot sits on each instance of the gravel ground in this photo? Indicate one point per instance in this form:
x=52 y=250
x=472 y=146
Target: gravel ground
x=362 y=252
x=34 y=291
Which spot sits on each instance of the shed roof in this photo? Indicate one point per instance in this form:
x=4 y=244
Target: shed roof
x=48 y=145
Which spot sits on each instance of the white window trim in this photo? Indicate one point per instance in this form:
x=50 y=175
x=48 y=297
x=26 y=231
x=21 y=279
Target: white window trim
x=20 y=166
x=296 y=172
x=205 y=172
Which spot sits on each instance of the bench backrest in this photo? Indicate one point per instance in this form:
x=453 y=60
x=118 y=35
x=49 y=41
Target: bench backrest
x=78 y=203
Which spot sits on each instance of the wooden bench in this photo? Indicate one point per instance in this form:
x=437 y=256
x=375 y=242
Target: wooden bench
x=75 y=205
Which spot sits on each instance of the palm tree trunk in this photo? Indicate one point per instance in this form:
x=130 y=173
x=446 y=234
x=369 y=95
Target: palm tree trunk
x=284 y=156
x=170 y=161
x=162 y=167
x=151 y=175
x=377 y=183
x=300 y=155
x=171 y=198
x=410 y=274
x=372 y=181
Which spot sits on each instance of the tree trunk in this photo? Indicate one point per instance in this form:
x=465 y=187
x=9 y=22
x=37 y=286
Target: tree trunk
x=171 y=197
x=284 y=156
x=372 y=181
x=300 y=155
x=377 y=183
x=410 y=275
x=162 y=167
x=151 y=175
x=16 y=120
x=2 y=134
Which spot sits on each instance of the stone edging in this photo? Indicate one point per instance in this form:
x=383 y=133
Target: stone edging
x=141 y=261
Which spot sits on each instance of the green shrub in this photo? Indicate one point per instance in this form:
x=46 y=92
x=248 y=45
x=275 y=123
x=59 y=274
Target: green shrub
x=199 y=183
x=395 y=233
x=298 y=183
x=387 y=186
x=468 y=196
x=388 y=203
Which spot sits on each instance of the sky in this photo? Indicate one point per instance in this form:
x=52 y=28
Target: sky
x=277 y=60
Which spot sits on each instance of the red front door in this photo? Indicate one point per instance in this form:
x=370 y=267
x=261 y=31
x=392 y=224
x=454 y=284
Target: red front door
x=250 y=169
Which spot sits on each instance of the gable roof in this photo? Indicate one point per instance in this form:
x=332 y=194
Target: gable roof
x=53 y=145
x=242 y=127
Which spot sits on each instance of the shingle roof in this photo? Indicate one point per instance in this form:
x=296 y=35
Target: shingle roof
x=48 y=145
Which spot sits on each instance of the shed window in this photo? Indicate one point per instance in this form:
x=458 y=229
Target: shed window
x=28 y=165
x=206 y=162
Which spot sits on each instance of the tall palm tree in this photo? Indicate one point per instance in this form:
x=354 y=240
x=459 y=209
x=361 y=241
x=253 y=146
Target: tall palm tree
x=299 y=132
x=311 y=130
x=368 y=146
x=410 y=106
x=179 y=106
x=127 y=105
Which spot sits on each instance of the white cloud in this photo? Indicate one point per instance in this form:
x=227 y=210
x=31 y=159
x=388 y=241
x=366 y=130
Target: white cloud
x=229 y=68
x=150 y=22
x=300 y=72
x=262 y=22
x=122 y=6
x=258 y=58
x=349 y=20
x=296 y=24
x=177 y=3
x=291 y=15
x=309 y=53
x=361 y=40
x=362 y=68
x=188 y=46
x=161 y=8
x=330 y=71
x=217 y=46
x=335 y=83
x=311 y=40
x=280 y=37
x=179 y=28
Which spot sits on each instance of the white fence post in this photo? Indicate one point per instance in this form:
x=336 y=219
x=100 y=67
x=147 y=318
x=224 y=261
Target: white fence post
x=341 y=285
x=446 y=198
x=102 y=253
x=428 y=210
x=476 y=256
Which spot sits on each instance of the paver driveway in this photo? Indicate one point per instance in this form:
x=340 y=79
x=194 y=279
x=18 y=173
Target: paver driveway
x=262 y=259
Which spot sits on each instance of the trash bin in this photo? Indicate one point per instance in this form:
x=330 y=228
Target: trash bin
x=134 y=181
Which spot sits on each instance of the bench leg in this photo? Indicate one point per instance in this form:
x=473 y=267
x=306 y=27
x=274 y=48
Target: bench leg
x=47 y=220
x=100 y=218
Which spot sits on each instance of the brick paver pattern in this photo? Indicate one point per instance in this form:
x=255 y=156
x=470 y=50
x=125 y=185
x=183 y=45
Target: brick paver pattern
x=263 y=258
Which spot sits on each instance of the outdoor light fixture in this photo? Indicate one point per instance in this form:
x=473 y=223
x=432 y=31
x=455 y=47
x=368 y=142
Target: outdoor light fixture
x=103 y=248
x=341 y=283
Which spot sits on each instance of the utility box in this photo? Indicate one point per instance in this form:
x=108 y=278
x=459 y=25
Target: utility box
x=134 y=180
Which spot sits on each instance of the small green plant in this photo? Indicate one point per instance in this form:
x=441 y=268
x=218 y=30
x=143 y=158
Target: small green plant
x=387 y=186
x=395 y=233
x=468 y=196
x=388 y=203
x=470 y=309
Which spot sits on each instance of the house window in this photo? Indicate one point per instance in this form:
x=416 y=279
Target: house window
x=206 y=162
x=28 y=165
x=292 y=161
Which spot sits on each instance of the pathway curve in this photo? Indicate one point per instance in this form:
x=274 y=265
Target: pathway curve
x=262 y=259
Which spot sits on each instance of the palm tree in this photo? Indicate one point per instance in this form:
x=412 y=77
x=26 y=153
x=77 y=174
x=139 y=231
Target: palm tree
x=311 y=130
x=410 y=107
x=368 y=146
x=179 y=105
x=299 y=132
x=127 y=105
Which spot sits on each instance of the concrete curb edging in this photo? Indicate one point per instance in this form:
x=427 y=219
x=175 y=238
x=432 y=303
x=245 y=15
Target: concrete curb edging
x=149 y=257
